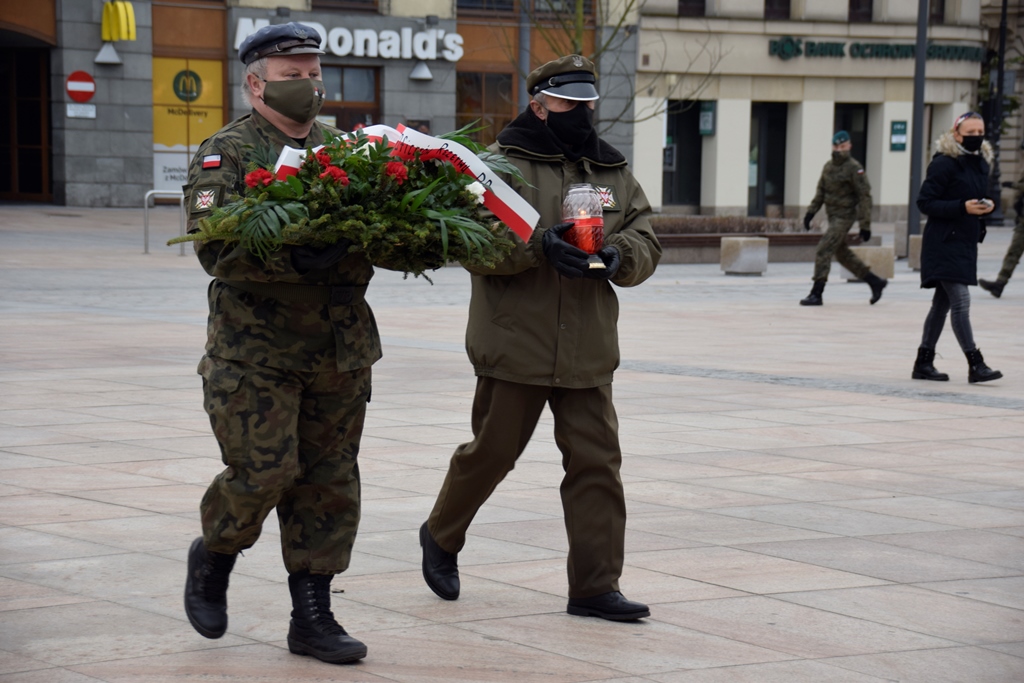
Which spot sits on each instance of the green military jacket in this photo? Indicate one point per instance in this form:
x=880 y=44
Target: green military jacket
x=844 y=190
x=256 y=328
x=527 y=323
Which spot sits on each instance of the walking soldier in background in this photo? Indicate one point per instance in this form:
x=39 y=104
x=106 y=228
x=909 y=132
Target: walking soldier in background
x=1016 y=249
x=845 y=192
x=286 y=375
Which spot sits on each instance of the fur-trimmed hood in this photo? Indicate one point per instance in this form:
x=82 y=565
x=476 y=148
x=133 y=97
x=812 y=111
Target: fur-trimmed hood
x=948 y=146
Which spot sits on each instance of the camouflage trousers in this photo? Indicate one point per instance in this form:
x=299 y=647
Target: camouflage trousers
x=833 y=243
x=586 y=432
x=1013 y=254
x=289 y=441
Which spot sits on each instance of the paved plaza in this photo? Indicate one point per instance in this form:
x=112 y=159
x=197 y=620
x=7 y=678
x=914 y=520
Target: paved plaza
x=800 y=510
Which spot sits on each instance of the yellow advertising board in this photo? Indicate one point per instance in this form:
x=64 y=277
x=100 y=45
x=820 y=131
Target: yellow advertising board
x=188 y=107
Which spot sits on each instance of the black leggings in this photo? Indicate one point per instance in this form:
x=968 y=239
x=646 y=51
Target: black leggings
x=949 y=297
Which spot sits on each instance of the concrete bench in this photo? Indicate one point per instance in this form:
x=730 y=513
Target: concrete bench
x=744 y=255
x=914 y=255
x=881 y=261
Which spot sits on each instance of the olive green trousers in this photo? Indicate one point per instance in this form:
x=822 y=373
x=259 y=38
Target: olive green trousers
x=833 y=243
x=586 y=432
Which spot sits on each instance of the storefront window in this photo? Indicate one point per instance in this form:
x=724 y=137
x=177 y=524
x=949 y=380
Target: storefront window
x=766 y=170
x=860 y=10
x=691 y=8
x=484 y=98
x=681 y=160
x=345 y=4
x=488 y=5
x=353 y=97
x=936 y=11
x=853 y=118
x=776 y=9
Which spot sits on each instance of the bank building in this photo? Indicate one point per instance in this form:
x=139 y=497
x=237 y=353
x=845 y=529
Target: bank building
x=724 y=107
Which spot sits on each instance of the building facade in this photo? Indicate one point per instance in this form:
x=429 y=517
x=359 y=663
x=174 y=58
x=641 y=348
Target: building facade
x=723 y=106
x=97 y=119
x=738 y=99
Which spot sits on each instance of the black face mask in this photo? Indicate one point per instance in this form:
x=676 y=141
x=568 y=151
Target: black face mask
x=972 y=143
x=572 y=127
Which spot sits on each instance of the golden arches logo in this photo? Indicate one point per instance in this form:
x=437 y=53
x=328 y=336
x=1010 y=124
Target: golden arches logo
x=188 y=86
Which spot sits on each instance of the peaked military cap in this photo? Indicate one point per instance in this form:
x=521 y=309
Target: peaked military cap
x=292 y=38
x=571 y=78
x=840 y=137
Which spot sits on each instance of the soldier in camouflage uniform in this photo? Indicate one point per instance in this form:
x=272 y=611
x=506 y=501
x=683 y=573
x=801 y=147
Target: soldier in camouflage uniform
x=286 y=375
x=844 y=190
x=1016 y=249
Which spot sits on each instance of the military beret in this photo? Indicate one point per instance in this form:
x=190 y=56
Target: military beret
x=292 y=38
x=840 y=137
x=571 y=78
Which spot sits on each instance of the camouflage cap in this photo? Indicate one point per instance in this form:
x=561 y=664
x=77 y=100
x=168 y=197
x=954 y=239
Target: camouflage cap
x=571 y=78
x=840 y=137
x=275 y=40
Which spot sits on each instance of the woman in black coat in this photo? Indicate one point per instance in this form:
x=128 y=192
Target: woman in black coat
x=953 y=198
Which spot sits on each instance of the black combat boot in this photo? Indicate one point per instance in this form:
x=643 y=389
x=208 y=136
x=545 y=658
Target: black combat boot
x=440 y=567
x=877 y=284
x=313 y=630
x=206 y=589
x=977 y=370
x=924 y=368
x=814 y=298
x=993 y=288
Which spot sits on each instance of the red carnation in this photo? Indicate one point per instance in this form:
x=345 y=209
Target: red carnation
x=397 y=170
x=260 y=175
x=324 y=158
x=336 y=174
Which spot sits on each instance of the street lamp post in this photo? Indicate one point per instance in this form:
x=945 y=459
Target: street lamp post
x=917 y=121
x=996 y=96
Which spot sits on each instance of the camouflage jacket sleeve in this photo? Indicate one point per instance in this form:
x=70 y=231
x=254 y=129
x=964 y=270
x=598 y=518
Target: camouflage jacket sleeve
x=863 y=187
x=819 y=196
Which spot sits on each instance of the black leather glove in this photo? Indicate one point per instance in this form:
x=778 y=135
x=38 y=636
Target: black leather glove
x=306 y=258
x=612 y=260
x=568 y=260
x=865 y=235
x=807 y=220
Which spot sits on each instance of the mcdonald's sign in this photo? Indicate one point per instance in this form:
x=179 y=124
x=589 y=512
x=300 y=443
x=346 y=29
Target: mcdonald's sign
x=188 y=86
x=118 y=21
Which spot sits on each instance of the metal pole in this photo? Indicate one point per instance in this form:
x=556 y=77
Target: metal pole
x=181 y=223
x=995 y=127
x=917 y=121
x=145 y=223
x=524 y=52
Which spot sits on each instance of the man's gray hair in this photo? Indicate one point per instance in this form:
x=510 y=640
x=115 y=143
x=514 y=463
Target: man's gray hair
x=257 y=69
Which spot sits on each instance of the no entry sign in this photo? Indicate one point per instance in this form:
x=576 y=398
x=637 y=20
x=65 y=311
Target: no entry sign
x=80 y=86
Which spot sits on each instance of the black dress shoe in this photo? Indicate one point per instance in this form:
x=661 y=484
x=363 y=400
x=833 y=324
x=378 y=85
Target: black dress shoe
x=611 y=606
x=440 y=567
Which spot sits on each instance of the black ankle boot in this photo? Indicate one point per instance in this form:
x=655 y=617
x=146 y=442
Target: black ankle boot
x=993 y=288
x=440 y=567
x=877 y=284
x=206 y=589
x=814 y=298
x=924 y=369
x=977 y=370
x=313 y=630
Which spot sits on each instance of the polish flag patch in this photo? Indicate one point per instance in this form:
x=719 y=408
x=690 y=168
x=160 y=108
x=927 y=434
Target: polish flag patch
x=211 y=161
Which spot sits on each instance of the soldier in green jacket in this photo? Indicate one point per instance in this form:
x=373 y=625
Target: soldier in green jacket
x=844 y=190
x=542 y=331
x=286 y=375
x=1016 y=248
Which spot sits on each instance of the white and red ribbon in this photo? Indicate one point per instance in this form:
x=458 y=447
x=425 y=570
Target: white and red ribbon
x=499 y=198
